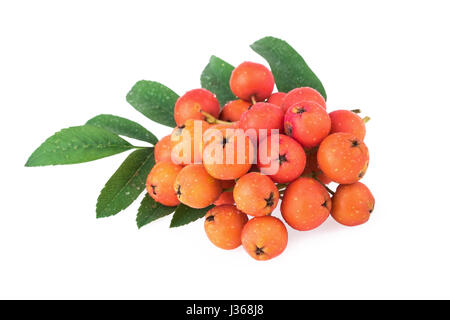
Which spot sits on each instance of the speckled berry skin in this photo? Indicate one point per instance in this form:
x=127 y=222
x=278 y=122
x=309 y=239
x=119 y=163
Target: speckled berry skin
x=189 y=105
x=233 y=110
x=290 y=158
x=263 y=116
x=195 y=188
x=251 y=79
x=277 y=98
x=195 y=143
x=352 y=204
x=306 y=204
x=160 y=183
x=343 y=158
x=163 y=150
x=307 y=122
x=302 y=94
x=256 y=194
x=223 y=226
x=264 y=238
x=349 y=122
x=227 y=141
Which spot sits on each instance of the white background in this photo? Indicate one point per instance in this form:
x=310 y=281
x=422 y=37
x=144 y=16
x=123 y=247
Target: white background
x=63 y=62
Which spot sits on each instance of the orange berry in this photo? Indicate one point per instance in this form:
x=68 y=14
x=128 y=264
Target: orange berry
x=225 y=197
x=277 y=98
x=312 y=167
x=160 y=183
x=233 y=110
x=343 y=158
x=352 y=204
x=262 y=116
x=307 y=122
x=228 y=152
x=192 y=102
x=306 y=204
x=223 y=226
x=251 y=79
x=264 y=238
x=303 y=94
x=163 y=150
x=195 y=187
x=256 y=194
x=288 y=162
x=347 y=121
x=187 y=142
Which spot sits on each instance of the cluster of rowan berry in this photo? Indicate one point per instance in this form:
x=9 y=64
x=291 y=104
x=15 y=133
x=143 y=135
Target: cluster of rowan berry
x=307 y=146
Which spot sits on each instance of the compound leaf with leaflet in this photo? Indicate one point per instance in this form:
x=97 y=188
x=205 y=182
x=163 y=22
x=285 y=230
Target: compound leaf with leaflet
x=123 y=127
x=216 y=78
x=150 y=210
x=126 y=184
x=153 y=100
x=288 y=67
x=184 y=215
x=77 y=145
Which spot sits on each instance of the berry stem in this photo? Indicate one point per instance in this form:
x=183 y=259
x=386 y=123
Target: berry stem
x=324 y=185
x=356 y=110
x=281 y=186
x=213 y=120
x=366 y=119
x=253 y=99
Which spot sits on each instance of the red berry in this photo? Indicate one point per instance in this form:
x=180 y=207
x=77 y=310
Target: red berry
x=277 y=98
x=163 y=149
x=312 y=167
x=225 y=197
x=307 y=122
x=352 y=204
x=306 y=204
x=264 y=238
x=256 y=194
x=228 y=153
x=285 y=164
x=233 y=110
x=187 y=143
x=347 y=121
x=303 y=94
x=223 y=226
x=262 y=116
x=160 y=183
x=195 y=187
x=252 y=80
x=192 y=102
x=343 y=158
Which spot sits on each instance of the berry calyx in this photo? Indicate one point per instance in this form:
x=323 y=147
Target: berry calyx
x=264 y=238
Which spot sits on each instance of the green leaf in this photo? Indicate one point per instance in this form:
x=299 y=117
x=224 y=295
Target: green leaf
x=123 y=127
x=184 y=215
x=288 y=67
x=150 y=210
x=216 y=78
x=77 y=145
x=126 y=184
x=154 y=101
